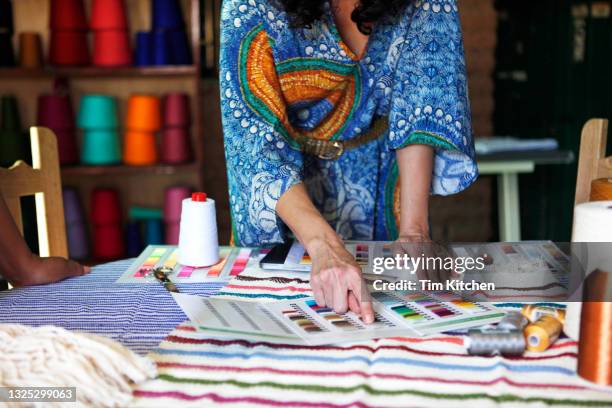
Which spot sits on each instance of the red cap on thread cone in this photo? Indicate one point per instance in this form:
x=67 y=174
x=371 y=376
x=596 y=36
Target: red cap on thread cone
x=199 y=197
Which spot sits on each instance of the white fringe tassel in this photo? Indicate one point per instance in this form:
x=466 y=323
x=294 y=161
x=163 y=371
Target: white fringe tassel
x=102 y=370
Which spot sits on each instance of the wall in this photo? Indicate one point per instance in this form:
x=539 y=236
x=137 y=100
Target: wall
x=470 y=215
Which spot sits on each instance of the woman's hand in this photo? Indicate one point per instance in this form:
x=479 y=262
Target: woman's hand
x=336 y=280
x=40 y=271
x=20 y=266
x=420 y=245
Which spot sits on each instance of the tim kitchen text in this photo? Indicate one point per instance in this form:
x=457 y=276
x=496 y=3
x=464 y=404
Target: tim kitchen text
x=428 y=285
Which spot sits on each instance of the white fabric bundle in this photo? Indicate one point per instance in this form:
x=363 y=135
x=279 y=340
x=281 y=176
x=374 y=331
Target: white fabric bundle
x=102 y=370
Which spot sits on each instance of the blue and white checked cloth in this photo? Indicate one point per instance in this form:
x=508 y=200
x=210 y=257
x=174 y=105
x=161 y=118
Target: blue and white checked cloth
x=137 y=315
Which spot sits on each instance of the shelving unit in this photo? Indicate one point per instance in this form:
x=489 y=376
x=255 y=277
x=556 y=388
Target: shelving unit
x=142 y=186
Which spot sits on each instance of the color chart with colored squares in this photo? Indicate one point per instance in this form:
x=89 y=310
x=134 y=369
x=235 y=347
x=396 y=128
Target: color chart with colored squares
x=233 y=261
x=435 y=312
x=395 y=315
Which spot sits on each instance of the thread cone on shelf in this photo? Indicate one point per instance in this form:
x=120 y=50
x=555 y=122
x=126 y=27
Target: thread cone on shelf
x=98 y=112
x=144 y=49
x=100 y=147
x=6 y=17
x=68 y=48
x=108 y=15
x=105 y=206
x=173 y=202
x=30 y=50
x=55 y=111
x=67 y=15
x=153 y=232
x=108 y=242
x=9 y=113
x=7 y=54
x=176 y=147
x=112 y=48
x=67 y=146
x=179 y=47
x=143 y=113
x=177 y=111
x=13 y=147
x=172 y=232
x=140 y=148
x=134 y=245
x=161 y=48
x=167 y=14
x=78 y=242
x=73 y=211
x=13 y=143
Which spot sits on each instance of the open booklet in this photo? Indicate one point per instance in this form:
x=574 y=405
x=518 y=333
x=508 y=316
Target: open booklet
x=304 y=322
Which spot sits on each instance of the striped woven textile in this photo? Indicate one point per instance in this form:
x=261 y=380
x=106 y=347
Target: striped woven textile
x=138 y=316
x=402 y=372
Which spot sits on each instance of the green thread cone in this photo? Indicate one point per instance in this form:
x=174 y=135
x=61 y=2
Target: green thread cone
x=9 y=118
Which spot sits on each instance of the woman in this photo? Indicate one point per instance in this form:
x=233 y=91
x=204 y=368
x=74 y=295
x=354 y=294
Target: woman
x=340 y=118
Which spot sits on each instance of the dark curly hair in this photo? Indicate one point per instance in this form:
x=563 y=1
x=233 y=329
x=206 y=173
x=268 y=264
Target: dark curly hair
x=305 y=12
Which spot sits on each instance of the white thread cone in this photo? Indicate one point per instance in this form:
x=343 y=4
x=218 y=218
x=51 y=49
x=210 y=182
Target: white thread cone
x=198 y=239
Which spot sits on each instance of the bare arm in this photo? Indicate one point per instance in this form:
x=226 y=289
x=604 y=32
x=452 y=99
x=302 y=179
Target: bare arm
x=20 y=266
x=415 y=164
x=335 y=278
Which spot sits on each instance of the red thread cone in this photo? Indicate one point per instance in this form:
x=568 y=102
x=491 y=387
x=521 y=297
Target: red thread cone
x=112 y=48
x=108 y=15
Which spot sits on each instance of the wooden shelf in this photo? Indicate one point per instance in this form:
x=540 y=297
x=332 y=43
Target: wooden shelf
x=159 y=169
x=93 y=72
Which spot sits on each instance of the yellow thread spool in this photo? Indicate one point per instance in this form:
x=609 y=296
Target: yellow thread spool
x=534 y=313
x=541 y=334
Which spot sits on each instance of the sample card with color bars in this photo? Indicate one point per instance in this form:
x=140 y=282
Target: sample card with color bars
x=233 y=261
x=295 y=321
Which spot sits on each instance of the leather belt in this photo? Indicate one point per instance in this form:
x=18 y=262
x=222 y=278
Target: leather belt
x=333 y=149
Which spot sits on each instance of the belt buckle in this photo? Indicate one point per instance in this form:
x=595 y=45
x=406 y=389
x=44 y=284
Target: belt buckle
x=332 y=151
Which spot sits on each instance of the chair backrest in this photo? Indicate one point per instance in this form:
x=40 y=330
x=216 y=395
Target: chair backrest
x=592 y=161
x=43 y=181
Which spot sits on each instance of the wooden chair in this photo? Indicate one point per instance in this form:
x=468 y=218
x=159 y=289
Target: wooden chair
x=43 y=181
x=592 y=161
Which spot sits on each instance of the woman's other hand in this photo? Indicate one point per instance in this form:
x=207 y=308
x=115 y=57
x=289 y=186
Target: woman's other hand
x=433 y=255
x=40 y=271
x=337 y=281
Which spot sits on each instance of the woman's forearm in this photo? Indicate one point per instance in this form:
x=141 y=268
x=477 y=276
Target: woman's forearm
x=335 y=277
x=415 y=164
x=298 y=212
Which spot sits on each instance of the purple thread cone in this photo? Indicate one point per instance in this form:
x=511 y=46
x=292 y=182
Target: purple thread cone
x=177 y=111
x=73 y=211
x=78 y=242
x=55 y=112
x=173 y=202
x=175 y=146
x=172 y=233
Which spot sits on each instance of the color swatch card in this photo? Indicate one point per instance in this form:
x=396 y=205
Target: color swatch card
x=287 y=321
x=233 y=261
